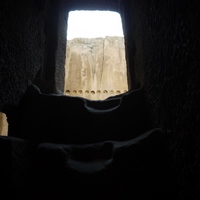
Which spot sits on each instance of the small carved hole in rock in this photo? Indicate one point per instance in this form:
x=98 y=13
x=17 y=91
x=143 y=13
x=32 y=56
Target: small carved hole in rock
x=105 y=91
x=80 y=92
x=98 y=91
x=67 y=91
x=111 y=92
x=118 y=92
x=74 y=92
x=86 y=92
x=92 y=92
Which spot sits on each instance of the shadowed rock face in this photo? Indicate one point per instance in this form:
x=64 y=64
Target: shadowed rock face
x=95 y=67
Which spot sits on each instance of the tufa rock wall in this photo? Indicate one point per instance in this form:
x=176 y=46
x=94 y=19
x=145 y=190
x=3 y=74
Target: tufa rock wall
x=95 y=67
x=3 y=124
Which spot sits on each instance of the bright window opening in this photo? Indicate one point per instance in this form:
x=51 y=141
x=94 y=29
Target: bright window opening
x=95 y=64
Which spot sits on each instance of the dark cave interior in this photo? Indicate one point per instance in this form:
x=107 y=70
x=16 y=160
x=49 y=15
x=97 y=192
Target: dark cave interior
x=144 y=144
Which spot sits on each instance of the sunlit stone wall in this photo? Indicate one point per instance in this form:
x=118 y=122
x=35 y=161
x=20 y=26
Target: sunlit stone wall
x=3 y=124
x=95 y=68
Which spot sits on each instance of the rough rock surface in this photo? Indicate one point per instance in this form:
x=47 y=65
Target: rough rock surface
x=3 y=124
x=95 y=67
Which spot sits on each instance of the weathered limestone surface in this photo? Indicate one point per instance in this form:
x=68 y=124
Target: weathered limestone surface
x=3 y=124
x=95 y=67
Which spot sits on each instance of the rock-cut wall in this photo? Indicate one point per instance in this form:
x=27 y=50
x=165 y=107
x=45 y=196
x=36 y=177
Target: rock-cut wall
x=3 y=124
x=95 y=67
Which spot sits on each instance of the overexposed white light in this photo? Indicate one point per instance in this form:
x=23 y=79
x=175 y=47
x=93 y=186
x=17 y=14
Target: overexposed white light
x=92 y=24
